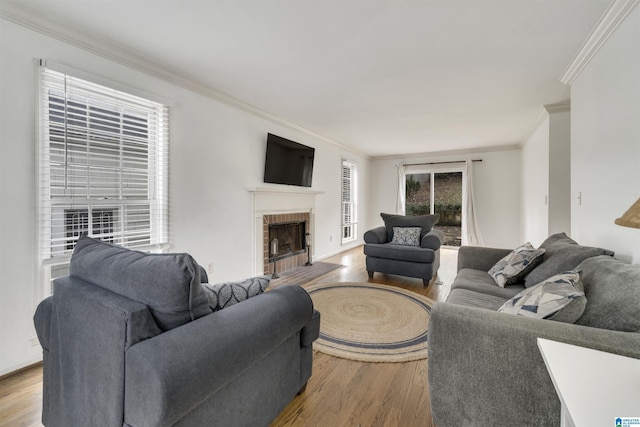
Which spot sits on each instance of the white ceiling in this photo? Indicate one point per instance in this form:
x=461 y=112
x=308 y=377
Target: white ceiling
x=382 y=77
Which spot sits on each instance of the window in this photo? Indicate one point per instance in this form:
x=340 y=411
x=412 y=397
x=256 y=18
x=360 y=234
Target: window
x=437 y=192
x=103 y=168
x=349 y=201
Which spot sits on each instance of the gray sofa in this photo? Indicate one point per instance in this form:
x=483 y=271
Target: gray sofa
x=421 y=261
x=485 y=368
x=128 y=339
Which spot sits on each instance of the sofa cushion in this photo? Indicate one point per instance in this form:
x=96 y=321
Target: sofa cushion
x=613 y=294
x=168 y=283
x=471 y=298
x=562 y=254
x=513 y=267
x=426 y=222
x=399 y=252
x=480 y=281
x=561 y=298
x=406 y=236
x=221 y=295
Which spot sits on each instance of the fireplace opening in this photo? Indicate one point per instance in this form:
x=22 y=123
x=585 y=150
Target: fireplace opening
x=291 y=239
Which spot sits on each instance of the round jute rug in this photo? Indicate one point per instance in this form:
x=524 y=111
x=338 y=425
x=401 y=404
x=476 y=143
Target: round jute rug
x=370 y=322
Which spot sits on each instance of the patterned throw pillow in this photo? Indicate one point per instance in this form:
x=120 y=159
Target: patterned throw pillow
x=406 y=236
x=512 y=268
x=560 y=298
x=223 y=295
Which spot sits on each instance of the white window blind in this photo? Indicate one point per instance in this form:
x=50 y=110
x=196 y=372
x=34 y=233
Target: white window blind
x=103 y=166
x=349 y=198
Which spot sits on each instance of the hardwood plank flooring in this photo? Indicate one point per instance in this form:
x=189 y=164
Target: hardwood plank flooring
x=340 y=392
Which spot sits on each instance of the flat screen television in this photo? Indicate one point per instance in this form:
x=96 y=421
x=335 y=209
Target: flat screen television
x=288 y=162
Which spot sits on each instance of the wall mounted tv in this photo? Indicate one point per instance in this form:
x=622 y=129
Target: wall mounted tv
x=288 y=162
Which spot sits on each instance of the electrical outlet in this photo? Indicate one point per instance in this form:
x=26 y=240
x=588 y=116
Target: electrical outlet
x=34 y=341
x=331 y=237
x=210 y=268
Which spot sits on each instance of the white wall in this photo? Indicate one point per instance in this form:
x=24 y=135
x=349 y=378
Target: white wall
x=535 y=185
x=216 y=154
x=605 y=142
x=497 y=193
x=546 y=177
x=560 y=172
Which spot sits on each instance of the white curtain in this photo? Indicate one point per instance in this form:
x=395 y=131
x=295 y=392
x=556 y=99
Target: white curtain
x=470 y=230
x=401 y=191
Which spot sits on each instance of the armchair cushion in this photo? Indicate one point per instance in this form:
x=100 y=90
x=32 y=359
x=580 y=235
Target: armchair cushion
x=426 y=222
x=399 y=252
x=169 y=284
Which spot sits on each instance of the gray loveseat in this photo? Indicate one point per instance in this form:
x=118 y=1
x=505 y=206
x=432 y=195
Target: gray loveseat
x=420 y=260
x=485 y=368
x=128 y=339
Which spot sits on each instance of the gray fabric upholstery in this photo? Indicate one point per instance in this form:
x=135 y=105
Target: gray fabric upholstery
x=168 y=283
x=400 y=252
x=562 y=254
x=480 y=258
x=485 y=368
x=412 y=261
x=471 y=298
x=480 y=281
x=612 y=289
x=377 y=235
x=108 y=363
x=259 y=325
x=426 y=222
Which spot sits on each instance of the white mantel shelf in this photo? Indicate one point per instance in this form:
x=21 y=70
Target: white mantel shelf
x=288 y=190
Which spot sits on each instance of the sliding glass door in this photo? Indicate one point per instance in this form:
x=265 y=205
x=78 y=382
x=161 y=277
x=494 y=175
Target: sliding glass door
x=437 y=192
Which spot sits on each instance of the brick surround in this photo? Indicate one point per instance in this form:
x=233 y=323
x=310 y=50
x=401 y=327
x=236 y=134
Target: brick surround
x=292 y=261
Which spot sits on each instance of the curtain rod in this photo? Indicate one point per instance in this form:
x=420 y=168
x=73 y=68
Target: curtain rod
x=438 y=163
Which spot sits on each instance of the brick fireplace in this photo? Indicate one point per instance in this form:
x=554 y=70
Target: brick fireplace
x=280 y=204
x=289 y=229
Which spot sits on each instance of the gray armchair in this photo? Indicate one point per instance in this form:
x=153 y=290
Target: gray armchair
x=418 y=258
x=129 y=340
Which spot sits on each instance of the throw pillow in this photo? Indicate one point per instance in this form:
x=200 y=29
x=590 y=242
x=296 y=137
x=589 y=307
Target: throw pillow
x=426 y=222
x=223 y=295
x=406 y=236
x=559 y=298
x=563 y=254
x=513 y=267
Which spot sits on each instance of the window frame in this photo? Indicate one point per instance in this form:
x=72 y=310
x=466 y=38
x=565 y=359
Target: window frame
x=141 y=209
x=349 y=201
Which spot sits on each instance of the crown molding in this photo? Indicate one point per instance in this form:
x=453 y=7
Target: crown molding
x=88 y=40
x=615 y=14
x=558 y=107
x=463 y=152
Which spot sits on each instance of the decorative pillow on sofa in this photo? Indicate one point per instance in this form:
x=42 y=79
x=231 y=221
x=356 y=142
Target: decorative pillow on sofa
x=407 y=236
x=223 y=295
x=513 y=267
x=563 y=254
x=426 y=222
x=559 y=298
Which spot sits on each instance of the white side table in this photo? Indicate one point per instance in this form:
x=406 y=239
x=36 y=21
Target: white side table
x=594 y=387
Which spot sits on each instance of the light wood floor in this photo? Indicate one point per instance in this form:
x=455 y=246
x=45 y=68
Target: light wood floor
x=340 y=392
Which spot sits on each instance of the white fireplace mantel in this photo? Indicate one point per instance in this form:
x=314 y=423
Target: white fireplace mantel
x=273 y=201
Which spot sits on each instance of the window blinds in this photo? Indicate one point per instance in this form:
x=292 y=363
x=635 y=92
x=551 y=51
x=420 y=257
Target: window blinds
x=349 y=220
x=103 y=165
